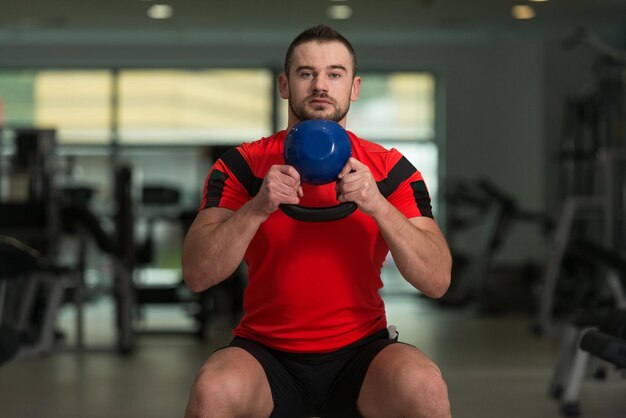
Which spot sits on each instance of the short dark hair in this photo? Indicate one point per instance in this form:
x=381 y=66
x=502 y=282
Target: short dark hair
x=319 y=33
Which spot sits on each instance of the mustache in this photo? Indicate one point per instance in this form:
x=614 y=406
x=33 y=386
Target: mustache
x=320 y=95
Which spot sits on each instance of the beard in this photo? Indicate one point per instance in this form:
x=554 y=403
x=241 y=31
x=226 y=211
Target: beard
x=302 y=112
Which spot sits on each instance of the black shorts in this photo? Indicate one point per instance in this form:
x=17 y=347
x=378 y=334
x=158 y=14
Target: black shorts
x=310 y=384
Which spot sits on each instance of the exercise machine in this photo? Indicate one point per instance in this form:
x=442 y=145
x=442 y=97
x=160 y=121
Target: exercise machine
x=592 y=171
x=485 y=213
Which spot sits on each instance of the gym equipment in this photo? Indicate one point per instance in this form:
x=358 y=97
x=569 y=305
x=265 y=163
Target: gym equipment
x=133 y=254
x=125 y=255
x=23 y=272
x=579 y=220
x=29 y=214
x=592 y=169
x=159 y=204
x=37 y=211
x=483 y=213
x=28 y=181
x=34 y=211
x=600 y=332
x=30 y=166
x=20 y=261
x=596 y=335
x=318 y=149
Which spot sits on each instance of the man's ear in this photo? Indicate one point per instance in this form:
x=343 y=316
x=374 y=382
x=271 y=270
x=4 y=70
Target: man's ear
x=356 y=88
x=283 y=86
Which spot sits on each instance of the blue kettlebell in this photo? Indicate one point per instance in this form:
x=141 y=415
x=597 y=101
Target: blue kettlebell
x=318 y=150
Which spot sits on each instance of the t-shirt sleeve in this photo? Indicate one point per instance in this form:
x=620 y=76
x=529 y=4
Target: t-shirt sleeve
x=405 y=188
x=224 y=185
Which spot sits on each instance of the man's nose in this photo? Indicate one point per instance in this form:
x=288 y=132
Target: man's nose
x=320 y=84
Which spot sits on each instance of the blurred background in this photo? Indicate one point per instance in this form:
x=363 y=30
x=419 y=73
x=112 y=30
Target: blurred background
x=112 y=113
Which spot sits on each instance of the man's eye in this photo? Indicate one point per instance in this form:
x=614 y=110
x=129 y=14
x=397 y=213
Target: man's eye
x=306 y=75
x=335 y=75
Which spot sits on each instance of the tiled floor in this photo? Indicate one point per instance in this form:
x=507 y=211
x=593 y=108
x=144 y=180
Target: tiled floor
x=494 y=366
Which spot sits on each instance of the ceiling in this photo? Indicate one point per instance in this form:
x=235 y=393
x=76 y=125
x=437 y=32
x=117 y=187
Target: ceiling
x=267 y=21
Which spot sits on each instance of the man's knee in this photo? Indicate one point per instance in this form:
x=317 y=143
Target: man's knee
x=213 y=390
x=230 y=386
x=423 y=389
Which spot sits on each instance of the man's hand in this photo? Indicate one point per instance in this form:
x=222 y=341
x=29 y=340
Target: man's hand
x=281 y=185
x=356 y=184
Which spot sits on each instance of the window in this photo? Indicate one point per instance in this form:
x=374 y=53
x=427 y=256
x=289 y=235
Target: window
x=17 y=98
x=155 y=106
x=395 y=106
x=183 y=107
x=75 y=103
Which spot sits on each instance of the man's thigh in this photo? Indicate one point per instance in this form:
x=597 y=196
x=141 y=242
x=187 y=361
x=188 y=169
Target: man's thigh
x=287 y=401
x=343 y=397
x=402 y=377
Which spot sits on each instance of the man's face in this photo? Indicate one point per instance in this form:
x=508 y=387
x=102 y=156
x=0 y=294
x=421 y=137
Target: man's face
x=320 y=83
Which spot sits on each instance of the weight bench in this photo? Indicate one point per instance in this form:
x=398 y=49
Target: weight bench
x=594 y=334
x=608 y=347
x=23 y=273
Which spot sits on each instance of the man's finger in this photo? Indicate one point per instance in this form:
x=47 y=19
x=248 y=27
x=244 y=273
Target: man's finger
x=351 y=165
x=289 y=171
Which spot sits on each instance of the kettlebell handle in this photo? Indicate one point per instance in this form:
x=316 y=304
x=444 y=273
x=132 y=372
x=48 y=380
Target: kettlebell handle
x=313 y=214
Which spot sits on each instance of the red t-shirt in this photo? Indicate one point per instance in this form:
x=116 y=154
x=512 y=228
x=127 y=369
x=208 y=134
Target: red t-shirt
x=313 y=286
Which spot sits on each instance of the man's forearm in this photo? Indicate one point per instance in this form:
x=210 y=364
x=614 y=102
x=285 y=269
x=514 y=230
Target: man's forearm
x=420 y=254
x=213 y=251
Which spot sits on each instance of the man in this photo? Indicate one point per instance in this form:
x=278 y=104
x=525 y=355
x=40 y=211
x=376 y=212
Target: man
x=313 y=339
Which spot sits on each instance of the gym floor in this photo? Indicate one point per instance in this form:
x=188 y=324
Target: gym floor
x=494 y=367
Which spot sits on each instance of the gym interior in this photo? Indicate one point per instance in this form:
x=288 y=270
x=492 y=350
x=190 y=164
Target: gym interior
x=112 y=113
